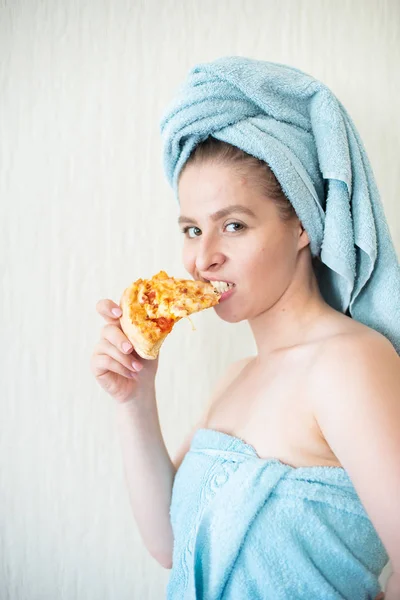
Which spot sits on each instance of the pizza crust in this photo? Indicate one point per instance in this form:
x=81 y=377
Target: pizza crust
x=145 y=347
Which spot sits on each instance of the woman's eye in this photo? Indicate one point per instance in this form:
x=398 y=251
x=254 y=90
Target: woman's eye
x=187 y=229
x=240 y=225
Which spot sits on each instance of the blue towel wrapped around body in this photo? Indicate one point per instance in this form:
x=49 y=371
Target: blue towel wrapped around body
x=247 y=528
x=294 y=123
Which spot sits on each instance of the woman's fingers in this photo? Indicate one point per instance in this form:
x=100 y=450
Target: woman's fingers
x=104 y=363
x=105 y=308
x=113 y=333
x=116 y=337
x=127 y=361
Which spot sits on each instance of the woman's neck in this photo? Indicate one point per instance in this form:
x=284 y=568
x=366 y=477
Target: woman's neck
x=297 y=317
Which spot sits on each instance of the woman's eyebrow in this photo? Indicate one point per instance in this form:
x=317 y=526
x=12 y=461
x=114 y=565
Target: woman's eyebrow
x=220 y=214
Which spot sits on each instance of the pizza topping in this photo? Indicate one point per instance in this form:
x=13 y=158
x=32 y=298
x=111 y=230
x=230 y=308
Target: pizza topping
x=157 y=303
x=151 y=296
x=164 y=324
x=192 y=324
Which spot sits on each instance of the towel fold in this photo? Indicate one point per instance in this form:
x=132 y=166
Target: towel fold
x=247 y=528
x=295 y=123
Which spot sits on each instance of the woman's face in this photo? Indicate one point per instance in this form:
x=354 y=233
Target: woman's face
x=252 y=248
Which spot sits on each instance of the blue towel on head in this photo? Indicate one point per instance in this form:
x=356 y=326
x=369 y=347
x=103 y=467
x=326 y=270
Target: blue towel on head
x=247 y=528
x=296 y=124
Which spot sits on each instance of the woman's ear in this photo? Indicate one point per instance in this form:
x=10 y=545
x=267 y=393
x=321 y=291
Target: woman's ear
x=304 y=240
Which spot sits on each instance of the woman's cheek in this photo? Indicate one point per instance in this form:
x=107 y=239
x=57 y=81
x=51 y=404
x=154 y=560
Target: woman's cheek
x=188 y=260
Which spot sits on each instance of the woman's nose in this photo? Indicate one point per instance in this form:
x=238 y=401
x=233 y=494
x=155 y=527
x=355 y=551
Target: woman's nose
x=208 y=255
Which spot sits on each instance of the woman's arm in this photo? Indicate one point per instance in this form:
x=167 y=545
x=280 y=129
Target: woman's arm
x=149 y=473
x=356 y=384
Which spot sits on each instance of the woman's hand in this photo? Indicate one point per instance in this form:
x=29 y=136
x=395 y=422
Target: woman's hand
x=111 y=363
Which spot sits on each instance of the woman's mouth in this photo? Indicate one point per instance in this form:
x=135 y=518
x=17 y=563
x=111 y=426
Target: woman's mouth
x=227 y=294
x=224 y=288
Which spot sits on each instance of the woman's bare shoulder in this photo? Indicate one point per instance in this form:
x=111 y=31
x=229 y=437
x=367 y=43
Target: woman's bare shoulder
x=351 y=341
x=346 y=331
x=339 y=329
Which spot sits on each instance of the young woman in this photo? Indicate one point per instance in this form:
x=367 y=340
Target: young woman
x=259 y=501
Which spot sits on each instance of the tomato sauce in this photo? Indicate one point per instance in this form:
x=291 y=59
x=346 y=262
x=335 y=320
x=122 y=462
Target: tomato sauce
x=164 y=324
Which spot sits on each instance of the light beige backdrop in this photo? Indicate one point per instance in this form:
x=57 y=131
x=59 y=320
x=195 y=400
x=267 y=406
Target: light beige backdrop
x=86 y=209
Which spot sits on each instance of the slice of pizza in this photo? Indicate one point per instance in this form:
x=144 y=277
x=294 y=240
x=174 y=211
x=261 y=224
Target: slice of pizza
x=151 y=307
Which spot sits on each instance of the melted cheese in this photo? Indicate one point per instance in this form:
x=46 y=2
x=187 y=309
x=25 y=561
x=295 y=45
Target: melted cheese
x=163 y=300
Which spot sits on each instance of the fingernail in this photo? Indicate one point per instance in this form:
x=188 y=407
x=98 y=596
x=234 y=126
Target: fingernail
x=137 y=366
x=117 y=312
x=126 y=347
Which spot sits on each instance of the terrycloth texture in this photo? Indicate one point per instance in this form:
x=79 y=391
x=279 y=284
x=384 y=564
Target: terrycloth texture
x=246 y=528
x=294 y=123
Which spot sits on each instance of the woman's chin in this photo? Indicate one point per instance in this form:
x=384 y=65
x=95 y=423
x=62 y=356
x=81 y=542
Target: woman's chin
x=229 y=316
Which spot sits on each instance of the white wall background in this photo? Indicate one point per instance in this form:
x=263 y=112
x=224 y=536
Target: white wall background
x=85 y=210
